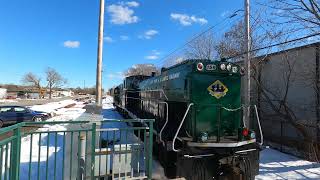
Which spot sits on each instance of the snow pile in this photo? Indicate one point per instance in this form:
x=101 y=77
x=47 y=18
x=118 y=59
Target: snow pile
x=66 y=114
x=51 y=107
x=277 y=165
x=107 y=103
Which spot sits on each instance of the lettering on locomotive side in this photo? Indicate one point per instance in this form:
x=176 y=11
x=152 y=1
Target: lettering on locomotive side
x=165 y=78
x=174 y=76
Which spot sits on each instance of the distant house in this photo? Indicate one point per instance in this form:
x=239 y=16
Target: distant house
x=32 y=95
x=22 y=92
x=63 y=93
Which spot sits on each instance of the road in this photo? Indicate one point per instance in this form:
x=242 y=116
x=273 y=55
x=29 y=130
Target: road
x=32 y=102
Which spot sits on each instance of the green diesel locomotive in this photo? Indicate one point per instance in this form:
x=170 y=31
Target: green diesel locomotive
x=199 y=127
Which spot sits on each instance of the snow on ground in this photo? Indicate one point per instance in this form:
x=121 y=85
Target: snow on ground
x=273 y=164
x=109 y=112
x=53 y=106
x=40 y=143
x=277 y=165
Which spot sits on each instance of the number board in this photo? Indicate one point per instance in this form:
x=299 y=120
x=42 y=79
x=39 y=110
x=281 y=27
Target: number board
x=211 y=67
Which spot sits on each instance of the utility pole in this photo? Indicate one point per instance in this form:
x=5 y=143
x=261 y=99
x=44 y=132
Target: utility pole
x=99 y=59
x=247 y=83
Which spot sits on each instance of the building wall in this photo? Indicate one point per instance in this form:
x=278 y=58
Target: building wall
x=273 y=71
x=301 y=92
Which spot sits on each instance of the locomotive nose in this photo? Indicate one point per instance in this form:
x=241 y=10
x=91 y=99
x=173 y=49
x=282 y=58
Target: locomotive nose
x=215 y=111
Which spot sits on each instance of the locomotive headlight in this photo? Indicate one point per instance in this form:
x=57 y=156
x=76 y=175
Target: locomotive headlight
x=223 y=67
x=200 y=66
x=204 y=137
x=234 y=69
x=242 y=71
x=229 y=67
x=252 y=135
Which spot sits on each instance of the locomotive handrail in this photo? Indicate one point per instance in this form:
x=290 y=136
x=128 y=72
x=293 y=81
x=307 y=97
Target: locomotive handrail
x=229 y=109
x=243 y=117
x=259 y=125
x=143 y=99
x=167 y=119
x=175 y=136
x=161 y=90
x=167 y=115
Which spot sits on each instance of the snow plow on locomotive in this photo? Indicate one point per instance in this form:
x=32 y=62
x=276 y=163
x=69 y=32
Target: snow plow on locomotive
x=199 y=128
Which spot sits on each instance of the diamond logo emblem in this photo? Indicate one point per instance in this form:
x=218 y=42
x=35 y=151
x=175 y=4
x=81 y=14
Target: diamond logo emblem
x=217 y=89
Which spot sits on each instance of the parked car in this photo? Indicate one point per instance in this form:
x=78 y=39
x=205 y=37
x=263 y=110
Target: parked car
x=16 y=114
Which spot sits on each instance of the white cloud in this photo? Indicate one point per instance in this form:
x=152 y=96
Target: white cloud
x=153 y=56
x=121 y=13
x=149 y=34
x=279 y=11
x=132 y=4
x=124 y=38
x=117 y=75
x=71 y=44
x=225 y=13
x=313 y=39
x=187 y=20
x=108 y=39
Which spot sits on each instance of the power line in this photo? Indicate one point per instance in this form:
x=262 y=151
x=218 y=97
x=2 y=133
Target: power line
x=277 y=44
x=200 y=34
x=167 y=61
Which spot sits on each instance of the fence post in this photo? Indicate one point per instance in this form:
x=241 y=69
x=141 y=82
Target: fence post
x=15 y=154
x=82 y=158
x=93 y=149
x=150 y=149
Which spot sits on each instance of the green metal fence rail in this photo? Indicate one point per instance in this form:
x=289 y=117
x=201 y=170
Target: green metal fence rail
x=107 y=149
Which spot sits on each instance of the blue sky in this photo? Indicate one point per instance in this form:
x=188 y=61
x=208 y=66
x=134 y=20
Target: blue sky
x=62 y=34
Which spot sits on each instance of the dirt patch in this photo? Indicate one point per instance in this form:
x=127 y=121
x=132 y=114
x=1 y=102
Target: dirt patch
x=70 y=105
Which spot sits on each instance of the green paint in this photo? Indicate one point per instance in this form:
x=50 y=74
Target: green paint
x=185 y=83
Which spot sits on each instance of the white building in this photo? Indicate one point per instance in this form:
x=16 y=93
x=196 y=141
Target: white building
x=3 y=93
x=63 y=93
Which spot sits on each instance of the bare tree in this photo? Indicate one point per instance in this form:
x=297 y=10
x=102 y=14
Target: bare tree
x=32 y=80
x=141 y=69
x=233 y=41
x=297 y=15
x=54 y=80
x=202 y=47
